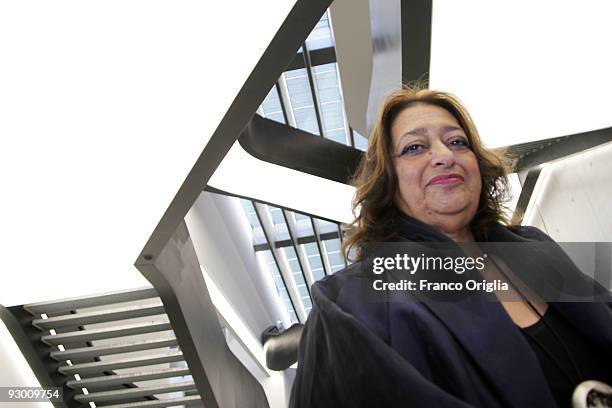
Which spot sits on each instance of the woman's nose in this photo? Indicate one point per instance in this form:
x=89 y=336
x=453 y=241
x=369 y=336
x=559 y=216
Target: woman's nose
x=441 y=155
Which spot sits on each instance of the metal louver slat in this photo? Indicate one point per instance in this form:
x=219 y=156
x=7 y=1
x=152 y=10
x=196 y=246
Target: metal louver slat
x=133 y=392
x=153 y=360
x=96 y=351
x=100 y=366
x=89 y=301
x=170 y=402
x=118 y=379
x=80 y=319
x=107 y=333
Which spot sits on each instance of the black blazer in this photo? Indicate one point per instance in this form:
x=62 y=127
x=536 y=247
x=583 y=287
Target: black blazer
x=430 y=354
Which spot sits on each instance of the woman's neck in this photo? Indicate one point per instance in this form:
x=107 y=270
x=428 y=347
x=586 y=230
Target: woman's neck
x=456 y=233
x=460 y=236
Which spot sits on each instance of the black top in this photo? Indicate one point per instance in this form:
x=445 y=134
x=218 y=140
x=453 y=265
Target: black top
x=567 y=358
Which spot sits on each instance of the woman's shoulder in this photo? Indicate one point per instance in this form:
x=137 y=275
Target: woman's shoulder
x=331 y=286
x=529 y=232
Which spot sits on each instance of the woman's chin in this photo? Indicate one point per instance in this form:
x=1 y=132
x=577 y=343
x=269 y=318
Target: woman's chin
x=451 y=203
x=450 y=208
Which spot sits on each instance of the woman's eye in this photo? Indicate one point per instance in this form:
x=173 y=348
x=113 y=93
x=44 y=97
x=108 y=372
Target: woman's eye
x=412 y=149
x=459 y=143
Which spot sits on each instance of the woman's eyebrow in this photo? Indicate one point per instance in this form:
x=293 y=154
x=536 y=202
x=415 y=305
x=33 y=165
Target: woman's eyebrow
x=413 y=132
x=451 y=128
x=421 y=131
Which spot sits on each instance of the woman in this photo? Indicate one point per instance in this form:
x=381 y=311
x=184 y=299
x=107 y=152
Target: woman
x=427 y=178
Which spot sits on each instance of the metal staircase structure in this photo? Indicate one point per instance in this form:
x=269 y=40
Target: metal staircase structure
x=113 y=350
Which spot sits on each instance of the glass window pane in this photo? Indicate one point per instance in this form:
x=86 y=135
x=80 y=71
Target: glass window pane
x=315 y=262
x=294 y=265
x=249 y=210
x=337 y=267
x=330 y=100
x=298 y=277
x=321 y=36
x=306 y=119
x=332 y=115
x=299 y=217
x=337 y=136
x=334 y=256
x=301 y=100
x=311 y=248
x=277 y=215
x=292 y=260
x=326 y=226
x=272 y=107
x=361 y=142
x=318 y=273
x=332 y=245
x=278 y=281
x=304 y=228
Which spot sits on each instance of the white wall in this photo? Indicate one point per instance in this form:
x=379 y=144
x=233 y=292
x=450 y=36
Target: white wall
x=572 y=203
x=572 y=198
x=15 y=370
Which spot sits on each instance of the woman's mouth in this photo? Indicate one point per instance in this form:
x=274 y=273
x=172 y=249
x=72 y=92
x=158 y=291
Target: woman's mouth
x=446 y=179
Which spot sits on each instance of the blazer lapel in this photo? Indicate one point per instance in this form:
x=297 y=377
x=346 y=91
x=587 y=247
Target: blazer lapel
x=498 y=348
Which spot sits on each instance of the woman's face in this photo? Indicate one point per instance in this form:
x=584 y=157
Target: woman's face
x=438 y=177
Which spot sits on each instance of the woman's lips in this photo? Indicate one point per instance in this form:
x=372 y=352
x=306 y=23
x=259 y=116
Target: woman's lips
x=446 y=179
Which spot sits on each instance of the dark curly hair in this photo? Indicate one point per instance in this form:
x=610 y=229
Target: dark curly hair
x=376 y=181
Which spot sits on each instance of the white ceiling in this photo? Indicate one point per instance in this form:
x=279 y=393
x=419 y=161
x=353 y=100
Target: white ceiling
x=104 y=108
x=527 y=70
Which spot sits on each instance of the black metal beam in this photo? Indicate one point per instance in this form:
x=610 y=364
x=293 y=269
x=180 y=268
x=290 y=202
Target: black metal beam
x=531 y=154
x=526 y=192
x=416 y=39
x=286 y=146
x=318 y=57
